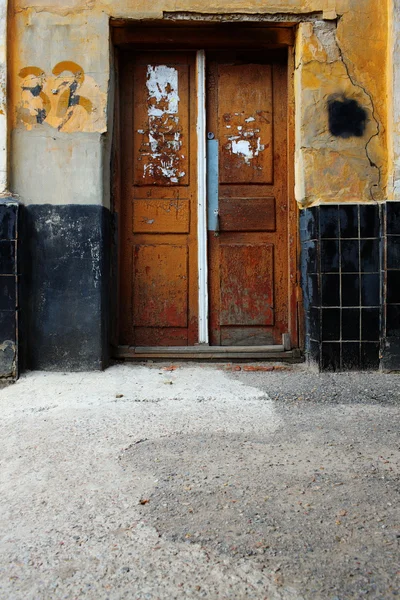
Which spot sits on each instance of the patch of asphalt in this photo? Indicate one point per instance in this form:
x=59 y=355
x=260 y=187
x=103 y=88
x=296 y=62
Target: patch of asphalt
x=300 y=385
x=313 y=505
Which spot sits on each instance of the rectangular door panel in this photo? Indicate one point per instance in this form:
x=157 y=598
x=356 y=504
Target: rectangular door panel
x=160 y=294
x=160 y=336
x=247 y=279
x=245 y=123
x=161 y=133
x=247 y=214
x=161 y=216
x=247 y=336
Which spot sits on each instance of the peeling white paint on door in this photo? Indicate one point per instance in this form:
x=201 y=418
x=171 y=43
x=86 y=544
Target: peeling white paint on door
x=162 y=152
x=246 y=143
x=162 y=83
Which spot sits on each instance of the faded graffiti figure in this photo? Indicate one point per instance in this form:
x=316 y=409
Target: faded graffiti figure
x=35 y=104
x=70 y=104
x=55 y=99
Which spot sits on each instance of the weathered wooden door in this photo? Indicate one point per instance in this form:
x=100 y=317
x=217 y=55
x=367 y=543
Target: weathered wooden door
x=248 y=256
x=248 y=252
x=158 y=216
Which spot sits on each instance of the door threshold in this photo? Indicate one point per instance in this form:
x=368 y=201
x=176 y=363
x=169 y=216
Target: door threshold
x=276 y=352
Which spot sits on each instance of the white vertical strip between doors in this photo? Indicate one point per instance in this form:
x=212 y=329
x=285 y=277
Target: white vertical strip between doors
x=201 y=197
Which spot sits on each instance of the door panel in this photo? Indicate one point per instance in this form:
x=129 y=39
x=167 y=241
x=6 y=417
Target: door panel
x=245 y=123
x=161 y=216
x=161 y=131
x=247 y=277
x=158 y=218
x=247 y=214
x=160 y=294
x=248 y=255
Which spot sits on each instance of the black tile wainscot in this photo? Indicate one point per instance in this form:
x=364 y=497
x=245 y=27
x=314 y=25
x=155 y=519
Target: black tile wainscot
x=9 y=214
x=391 y=278
x=342 y=270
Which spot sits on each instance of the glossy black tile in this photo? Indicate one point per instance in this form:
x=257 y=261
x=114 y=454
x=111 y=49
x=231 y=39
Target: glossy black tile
x=314 y=351
x=350 y=290
x=7 y=258
x=329 y=256
x=314 y=326
x=330 y=324
x=330 y=290
x=369 y=256
x=7 y=325
x=393 y=287
x=350 y=356
x=351 y=324
x=348 y=216
x=309 y=224
x=393 y=320
x=330 y=356
x=370 y=355
x=329 y=221
x=393 y=252
x=8 y=221
x=393 y=218
x=310 y=256
x=370 y=324
x=369 y=221
x=312 y=290
x=370 y=289
x=350 y=256
x=7 y=292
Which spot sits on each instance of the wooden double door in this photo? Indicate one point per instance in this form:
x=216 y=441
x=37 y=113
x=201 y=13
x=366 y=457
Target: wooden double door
x=172 y=114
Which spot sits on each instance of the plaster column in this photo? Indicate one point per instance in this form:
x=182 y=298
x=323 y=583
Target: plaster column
x=391 y=221
x=3 y=96
x=394 y=98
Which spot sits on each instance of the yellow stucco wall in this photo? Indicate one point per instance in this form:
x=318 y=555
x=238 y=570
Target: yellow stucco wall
x=59 y=43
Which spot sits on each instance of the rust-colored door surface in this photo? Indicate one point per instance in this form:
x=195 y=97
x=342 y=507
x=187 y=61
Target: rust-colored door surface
x=248 y=249
x=158 y=218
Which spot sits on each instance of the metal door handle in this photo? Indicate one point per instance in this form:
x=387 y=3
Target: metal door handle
x=216 y=232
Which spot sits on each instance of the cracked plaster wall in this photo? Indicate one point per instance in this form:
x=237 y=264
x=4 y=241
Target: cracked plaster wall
x=3 y=96
x=63 y=158
x=331 y=168
x=394 y=100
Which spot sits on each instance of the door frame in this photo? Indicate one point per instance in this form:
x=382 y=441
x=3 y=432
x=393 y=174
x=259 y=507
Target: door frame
x=200 y=37
x=202 y=250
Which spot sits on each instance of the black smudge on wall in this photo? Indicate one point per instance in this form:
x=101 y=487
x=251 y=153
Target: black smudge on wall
x=346 y=117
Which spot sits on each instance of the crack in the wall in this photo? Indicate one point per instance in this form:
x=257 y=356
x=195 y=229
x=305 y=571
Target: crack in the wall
x=241 y=17
x=53 y=10
x=325 y=32
x=378 y=127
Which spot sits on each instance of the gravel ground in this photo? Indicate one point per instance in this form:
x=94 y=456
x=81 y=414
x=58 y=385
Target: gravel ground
x=156 y=482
